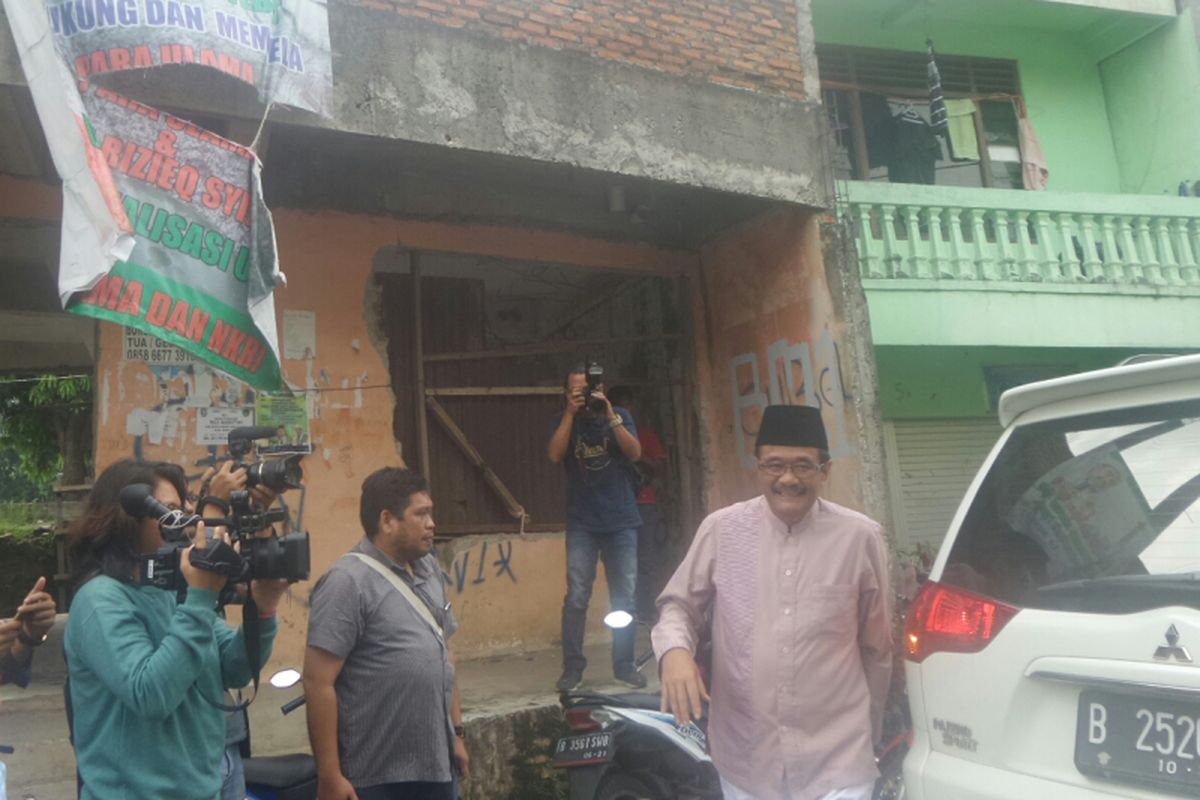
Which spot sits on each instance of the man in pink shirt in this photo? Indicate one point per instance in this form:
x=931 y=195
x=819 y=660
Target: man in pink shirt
x=793 y=590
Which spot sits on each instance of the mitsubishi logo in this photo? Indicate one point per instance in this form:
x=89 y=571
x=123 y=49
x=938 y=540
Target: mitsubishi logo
x=1172 y=649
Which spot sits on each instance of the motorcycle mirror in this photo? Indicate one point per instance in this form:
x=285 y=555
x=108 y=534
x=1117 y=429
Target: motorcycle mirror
x=618 y=619
x=285 y=678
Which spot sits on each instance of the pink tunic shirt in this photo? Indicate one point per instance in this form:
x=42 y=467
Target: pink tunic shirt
x=802 y=644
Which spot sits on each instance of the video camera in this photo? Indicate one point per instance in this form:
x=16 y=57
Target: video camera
x=595 y=379
x=273 y=557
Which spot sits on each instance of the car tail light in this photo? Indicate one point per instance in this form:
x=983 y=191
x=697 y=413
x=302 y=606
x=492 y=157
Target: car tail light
x=580 y=720
x=945 y=619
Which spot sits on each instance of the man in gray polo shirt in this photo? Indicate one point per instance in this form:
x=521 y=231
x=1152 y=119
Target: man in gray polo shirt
x=383 y=707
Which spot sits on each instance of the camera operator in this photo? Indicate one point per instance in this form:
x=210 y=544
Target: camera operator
x=148 y=673
x=597 y=444
x=21 y=634
x=216 y=486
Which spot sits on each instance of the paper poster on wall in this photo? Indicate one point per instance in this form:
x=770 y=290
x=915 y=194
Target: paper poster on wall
x=289 y=417
x=153 y=426
x=299 y=334
x=154 y=351
x=214 y=424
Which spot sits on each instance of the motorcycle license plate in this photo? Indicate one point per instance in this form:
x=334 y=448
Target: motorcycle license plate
x=587 y=748
x=1139 y=739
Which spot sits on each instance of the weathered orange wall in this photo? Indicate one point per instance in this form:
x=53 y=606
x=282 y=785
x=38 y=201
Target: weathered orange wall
x=507 y=591
x=761 y=289
x=767 y=331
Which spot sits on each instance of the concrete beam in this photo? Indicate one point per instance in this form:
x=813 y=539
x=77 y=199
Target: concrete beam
x=402 y=79
x=21 y=152
x=1081 y=316
x=36 y=340
x=45 y=356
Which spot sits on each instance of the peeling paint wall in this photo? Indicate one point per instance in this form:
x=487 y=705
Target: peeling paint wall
x=424 y=82
x=773 y=330
x=507 y=590
x=776 y=314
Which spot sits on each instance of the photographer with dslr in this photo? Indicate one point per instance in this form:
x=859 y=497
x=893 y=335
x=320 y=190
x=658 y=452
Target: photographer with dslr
x=148 y=672
x=217 y=483
x=597 y=445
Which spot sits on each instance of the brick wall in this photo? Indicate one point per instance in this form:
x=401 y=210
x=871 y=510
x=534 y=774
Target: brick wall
x=750 y=44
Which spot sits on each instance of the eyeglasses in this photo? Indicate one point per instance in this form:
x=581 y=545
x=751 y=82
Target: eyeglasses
x=801 y=469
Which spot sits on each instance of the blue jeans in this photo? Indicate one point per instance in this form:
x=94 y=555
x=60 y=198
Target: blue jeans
x=233 y=780
x=619 y=552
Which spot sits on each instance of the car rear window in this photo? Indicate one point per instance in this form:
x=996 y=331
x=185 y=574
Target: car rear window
x=1083 y=501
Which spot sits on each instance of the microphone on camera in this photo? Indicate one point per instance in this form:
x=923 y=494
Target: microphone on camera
x=139 y=502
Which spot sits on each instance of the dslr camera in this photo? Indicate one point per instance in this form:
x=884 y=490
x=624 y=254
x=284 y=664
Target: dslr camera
x=277 y=474
x=595 y=379
x=273 y=557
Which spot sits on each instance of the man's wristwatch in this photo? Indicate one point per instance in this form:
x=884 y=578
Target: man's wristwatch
x=616 y=422
x=30 y=641
x=460 y=731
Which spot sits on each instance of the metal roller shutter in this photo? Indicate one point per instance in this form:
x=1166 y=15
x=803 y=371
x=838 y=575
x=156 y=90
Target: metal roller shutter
x=931 y=462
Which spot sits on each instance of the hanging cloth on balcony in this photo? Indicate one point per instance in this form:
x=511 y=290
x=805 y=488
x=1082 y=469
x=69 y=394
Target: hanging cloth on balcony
x=937 y=101
x=1034 y=169
x=960 y=128
x=915 y=149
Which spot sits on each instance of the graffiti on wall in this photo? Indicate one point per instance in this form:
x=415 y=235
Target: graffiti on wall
x=799 y=373
x=489 y=561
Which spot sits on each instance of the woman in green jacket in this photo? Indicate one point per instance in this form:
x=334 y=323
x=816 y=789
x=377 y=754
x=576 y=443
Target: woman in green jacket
x=148 y=673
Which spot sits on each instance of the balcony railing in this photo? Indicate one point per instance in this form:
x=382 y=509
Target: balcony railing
x=945 y=233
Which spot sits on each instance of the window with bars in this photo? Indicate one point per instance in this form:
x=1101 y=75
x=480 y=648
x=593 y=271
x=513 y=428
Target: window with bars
x=876 y=100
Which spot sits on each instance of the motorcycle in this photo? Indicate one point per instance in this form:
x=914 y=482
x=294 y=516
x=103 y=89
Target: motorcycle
x=623 y=747
x=890 y=785
x=287 y=777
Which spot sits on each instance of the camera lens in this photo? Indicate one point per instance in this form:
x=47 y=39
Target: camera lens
x=278 y=476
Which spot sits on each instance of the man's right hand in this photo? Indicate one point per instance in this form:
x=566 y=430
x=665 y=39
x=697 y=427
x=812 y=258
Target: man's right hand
x=683 y=693
x=334 y=787
x=574 y=401
x=227 y=480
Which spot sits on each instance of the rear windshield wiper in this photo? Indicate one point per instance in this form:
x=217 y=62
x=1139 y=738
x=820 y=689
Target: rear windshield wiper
x=1121 y=594
x=1185 y=580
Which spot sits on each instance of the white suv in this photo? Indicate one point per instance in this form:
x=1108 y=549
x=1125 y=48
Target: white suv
x=1055 y=652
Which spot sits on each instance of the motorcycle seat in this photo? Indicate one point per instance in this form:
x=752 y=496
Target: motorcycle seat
x=650 y=701
x=280 y=772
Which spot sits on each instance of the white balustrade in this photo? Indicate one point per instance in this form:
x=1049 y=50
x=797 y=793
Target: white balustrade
x=940 y=233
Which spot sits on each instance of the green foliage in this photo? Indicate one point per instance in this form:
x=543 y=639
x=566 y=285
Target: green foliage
x=15 y=485
x=35 y=418
x=25 y=558
x=22 y=520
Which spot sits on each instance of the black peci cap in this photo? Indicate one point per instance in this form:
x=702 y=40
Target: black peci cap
x=792 y=426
